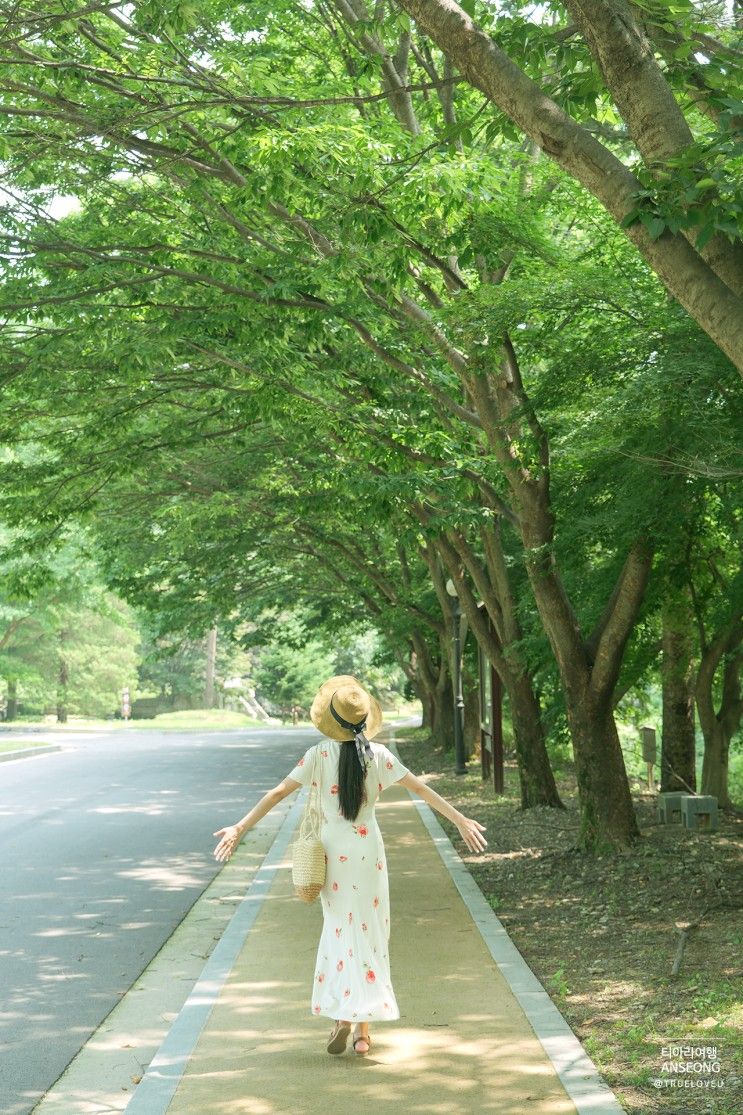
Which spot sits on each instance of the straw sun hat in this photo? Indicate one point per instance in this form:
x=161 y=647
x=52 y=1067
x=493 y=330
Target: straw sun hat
x=352 y=704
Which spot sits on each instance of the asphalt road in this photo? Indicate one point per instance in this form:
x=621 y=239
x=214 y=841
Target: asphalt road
x=104 y=848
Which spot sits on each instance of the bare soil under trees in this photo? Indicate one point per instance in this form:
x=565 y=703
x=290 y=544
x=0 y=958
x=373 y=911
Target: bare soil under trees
x=602 y=933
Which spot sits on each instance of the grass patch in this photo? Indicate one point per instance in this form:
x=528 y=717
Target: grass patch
x=22 y=744
x=201 y=718
x=189 y=719
x=599 y=931
x=186 y=720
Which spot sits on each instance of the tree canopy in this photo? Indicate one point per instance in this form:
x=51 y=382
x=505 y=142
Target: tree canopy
x=323 y=326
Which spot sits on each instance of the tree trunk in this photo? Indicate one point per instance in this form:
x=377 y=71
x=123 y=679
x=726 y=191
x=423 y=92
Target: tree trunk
x=442 y=731
x=683 y=270
x=589 y=665
x=427 y=694
x=607 y=813
x=211 y=658
x=11 y=711
x=648 y=105
x=426 y=701
x=678 y=751
x=435 y=683
x=715 y=764
x=493 y=630
x=536 y=779
x=719 y=726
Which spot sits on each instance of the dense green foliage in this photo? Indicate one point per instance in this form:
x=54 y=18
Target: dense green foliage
x=300 y=344
x=70 y=645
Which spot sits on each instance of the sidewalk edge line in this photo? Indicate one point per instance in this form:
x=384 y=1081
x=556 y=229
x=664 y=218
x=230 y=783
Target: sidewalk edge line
x=164 y=1072
x=29 y=752
x=577 y=1072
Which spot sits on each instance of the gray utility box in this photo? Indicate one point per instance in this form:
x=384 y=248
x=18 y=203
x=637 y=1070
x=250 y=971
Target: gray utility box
x=699 y=812
x=669 y=806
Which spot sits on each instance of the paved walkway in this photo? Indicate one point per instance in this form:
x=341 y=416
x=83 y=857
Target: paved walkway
x=246 y=1043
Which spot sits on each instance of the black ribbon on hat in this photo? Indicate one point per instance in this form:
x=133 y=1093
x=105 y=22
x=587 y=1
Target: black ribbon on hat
x=362 y=743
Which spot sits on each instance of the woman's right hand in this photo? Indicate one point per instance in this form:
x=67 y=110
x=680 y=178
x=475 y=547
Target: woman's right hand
x=230 y=840
x=471 y=832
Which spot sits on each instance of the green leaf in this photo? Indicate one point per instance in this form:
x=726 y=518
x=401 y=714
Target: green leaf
x=705 y=235
x=655 y=226
x=630 y=218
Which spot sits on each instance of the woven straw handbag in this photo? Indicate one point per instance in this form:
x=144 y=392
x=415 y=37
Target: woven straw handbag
x=308 y=853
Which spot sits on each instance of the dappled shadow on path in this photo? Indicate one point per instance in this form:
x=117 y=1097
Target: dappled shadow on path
x=462 y=1043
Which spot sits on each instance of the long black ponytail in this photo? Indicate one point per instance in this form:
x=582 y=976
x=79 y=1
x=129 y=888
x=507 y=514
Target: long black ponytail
x=351 y=782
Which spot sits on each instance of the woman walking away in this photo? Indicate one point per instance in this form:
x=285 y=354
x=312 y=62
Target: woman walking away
x=352 y=972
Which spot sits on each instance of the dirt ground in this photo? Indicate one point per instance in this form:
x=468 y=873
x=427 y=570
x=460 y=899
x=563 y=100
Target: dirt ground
x=601 y=935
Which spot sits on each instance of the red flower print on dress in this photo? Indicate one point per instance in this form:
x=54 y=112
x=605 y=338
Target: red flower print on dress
x=389 y=765
x=343 y=858
x=379 y=866
x=386 y=1006
x=335 y=886
x=350 y=952
x=347 y=992
x=350 y=917
x=334 y=788
x=370 y=977
x=320 y=978
x=317 y=1010
x=364 y=926
x=338 y=932
x=379 y=785
x=362 y=830
x=339 y=965
x=300 y=763
x=324 y=754
x=376 y=900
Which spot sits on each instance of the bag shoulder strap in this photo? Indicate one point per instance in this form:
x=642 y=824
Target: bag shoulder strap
x=311 y=818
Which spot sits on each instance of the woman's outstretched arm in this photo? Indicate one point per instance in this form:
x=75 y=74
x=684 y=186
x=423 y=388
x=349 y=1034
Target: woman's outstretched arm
x=470 y=830
x=233 y=834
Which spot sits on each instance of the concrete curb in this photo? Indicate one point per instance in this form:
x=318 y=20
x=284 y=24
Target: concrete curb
x=578 y=1074
x=157 y=1087
x=99 y=1079
x=29 y=752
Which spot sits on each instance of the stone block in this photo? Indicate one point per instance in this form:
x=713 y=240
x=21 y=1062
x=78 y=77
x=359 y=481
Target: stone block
x=669 y=806
x=699 y=812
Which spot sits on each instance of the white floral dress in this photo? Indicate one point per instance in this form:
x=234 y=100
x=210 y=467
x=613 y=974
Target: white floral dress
x=352 y=971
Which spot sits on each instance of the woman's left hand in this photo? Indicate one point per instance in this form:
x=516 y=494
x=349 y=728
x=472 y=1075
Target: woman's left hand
x=471 y=832
x=230 y=840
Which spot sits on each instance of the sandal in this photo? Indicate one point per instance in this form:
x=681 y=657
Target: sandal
x=339 y=1037
x=362 y=1037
